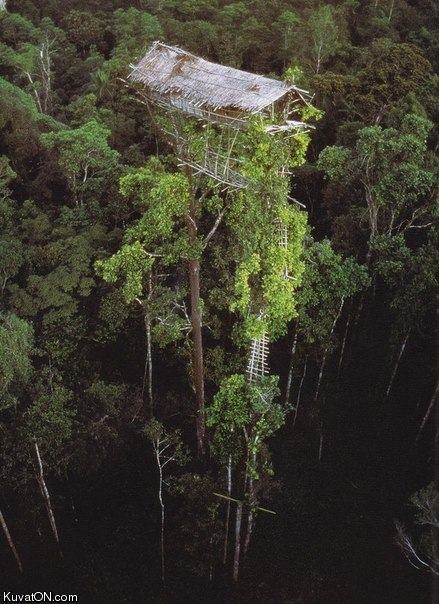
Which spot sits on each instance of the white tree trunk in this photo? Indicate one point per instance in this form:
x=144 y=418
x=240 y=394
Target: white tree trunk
x=10 y=542
x=343 y=345
x=300 y=391
x=46 y=495
x=429 y=410
x=227 y=521
x=162 y=517
x=322 y=365
x=237 y=541
x=395 y=368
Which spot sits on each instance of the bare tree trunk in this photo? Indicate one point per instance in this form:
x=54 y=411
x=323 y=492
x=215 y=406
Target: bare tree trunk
x=250 y=517
x=395 y=368
x=46 y=74
x=300 y=391
x=197 y=340
x=46 y=495
x=343 y=345
x=290 y=371
x=237 y=541
x=249 y=531
x=196 y=321
x=435 y=578
x=319 y=380
x=10 y=542
x=227 y=522
x=148 y=365
x=147 y=375
x=429 y=410
x=321 y=442
x=162 y=517
x=392 y=6
x=322 y=365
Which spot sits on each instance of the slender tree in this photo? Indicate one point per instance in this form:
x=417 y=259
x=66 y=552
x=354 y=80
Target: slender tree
x=168 y=448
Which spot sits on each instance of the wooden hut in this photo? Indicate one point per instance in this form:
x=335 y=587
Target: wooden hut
x=179 y=80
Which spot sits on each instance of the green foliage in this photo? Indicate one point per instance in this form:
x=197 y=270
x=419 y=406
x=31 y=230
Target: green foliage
x=163 y=196
x=16 y=346
x=328 y=280
x=49 y=419
x=75 y=135
x=133 y=263
x=391 y=167
x=166 y=440
x=244 y=415
x=83 y=155
x=134 y=31
x=258 y=219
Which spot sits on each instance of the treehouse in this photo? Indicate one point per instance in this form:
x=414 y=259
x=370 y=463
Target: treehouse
x=178 y=80
x=223 y=100
x=188 y=86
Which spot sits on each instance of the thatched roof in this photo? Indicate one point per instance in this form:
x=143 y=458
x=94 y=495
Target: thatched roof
x=168 y=71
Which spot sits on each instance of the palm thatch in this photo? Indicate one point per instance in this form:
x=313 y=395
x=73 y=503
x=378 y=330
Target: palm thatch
x=178 y=79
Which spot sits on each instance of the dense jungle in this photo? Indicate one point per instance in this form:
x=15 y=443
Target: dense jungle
x=138 y=461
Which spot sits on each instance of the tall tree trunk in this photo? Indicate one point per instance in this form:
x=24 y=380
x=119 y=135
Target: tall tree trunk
x=196 y=319
x=300 y=391
x=227 y=521
x=321 y=442
x=429 y=410
x=395 y=368
x=197 y=341
x=435 y=577
x=250 y=517
x=147 y=375
x=290 y=371
x=46 y=495
x=322 y=365
x=237 y=541
x=10 y=541
x=319 y=379
x=148 y=365
x=162 y=518
x=343 y=344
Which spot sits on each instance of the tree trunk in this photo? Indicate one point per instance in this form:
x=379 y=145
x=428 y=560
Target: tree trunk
x=429 y=410
x=237 y=541
x=321 y=442
x=196 y=320
x=46 y=495
x=148 y=367
x=147 y=376
x=250 y=517
x=10 y=542
x=227 y=522
x=249 y=531
x=319 y=379
x=435 y=579
x=300 y=391
x=343 y=345
x=197 y=341
x=395 y=368
x=326 y=351
x=162 y=518
x=290 y=371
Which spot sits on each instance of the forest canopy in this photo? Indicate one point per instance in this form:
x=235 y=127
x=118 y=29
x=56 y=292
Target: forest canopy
x=219 y=390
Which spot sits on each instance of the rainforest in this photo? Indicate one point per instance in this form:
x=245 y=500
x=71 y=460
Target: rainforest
x=219 y=270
